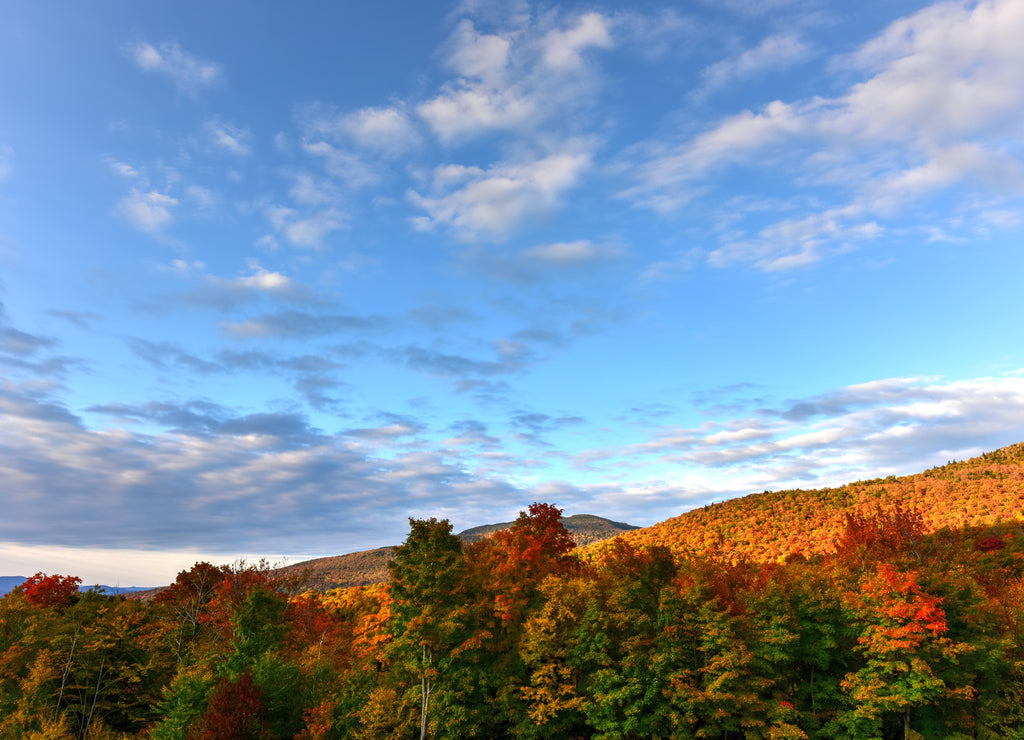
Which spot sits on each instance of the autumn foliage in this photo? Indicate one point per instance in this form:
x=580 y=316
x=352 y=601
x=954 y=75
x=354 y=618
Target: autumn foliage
x=772 y=526
x=50 y=591
x=900 y=625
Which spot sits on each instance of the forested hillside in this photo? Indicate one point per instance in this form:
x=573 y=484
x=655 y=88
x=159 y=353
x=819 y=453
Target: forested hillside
x=895 y=630
x=772 y=526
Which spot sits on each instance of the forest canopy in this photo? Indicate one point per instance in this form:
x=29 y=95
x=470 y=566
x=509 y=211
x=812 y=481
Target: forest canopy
x=900 y=630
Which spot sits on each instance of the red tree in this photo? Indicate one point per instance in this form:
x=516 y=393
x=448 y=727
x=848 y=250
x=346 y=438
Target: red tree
x=50 y=591
x=237 y=711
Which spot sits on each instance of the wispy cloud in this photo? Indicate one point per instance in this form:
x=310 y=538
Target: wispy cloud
x=475 y=202
x=306 y=230
x=147 y=211
x=228 y=138
x=301 y=324
x=571 y=254
x=891 y=426
x=798 y=242
x=314 y=377
x=16 y=342
x=226 y=293
x=79 y=319
x=775 y=52
x=762 y=8
x=189 y=73
x=938 y=112
x=29 y=355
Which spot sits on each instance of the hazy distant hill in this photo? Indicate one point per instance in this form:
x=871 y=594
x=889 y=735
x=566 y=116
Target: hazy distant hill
x=586 y=529
x=773 y=525
x=370 y=566
x=7 y=583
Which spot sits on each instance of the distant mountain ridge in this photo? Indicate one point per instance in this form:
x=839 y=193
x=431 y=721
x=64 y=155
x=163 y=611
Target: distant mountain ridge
x=766 y=527
x=371 y=566
x=9 y=583
x=775 y=525
x=586 y=529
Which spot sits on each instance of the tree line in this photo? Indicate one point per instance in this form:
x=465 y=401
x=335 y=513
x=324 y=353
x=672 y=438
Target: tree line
x=895 y=633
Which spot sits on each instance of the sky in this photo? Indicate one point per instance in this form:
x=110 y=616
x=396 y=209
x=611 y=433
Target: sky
x=276 y=277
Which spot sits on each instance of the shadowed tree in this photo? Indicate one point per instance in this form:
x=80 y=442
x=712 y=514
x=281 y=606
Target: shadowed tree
x=428 y=606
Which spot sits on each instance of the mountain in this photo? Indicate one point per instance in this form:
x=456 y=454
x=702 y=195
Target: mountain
x=371 y=566
x=772 y=526
x=586 y=529
x=117 y=590
x=7 y=583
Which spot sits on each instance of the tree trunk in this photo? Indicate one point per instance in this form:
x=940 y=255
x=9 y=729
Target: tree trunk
x=425 y=696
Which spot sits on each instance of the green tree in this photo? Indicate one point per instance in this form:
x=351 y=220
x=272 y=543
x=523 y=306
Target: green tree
x=430 y=617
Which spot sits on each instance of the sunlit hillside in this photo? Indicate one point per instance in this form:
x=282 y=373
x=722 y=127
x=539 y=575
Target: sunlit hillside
x=771 y=526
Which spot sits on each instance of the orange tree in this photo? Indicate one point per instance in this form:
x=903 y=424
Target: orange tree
x=906 y=654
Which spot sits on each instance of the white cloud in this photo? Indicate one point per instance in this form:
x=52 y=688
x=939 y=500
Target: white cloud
x=798 y=242
x=265 y=280
x=464 y=110
x=947 y=166
x=949 y=71
x=668 y=177
x=940 y=111
x=571 y=253
x=189 y=73
x=563 y=49
x=201 y=198
x=479 y=55
x=347 y=167
x=518 y=78
x=183 y=268
x=228 y=137
x=474 y=202
x=892 y=426
x=775 y=52
x=149 y=212
x=305 y=231
x=122 y=169
x=657 y=35
x=384 y=129
x=311 y=191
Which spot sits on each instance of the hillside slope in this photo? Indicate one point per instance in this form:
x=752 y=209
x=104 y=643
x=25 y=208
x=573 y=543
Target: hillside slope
x=341 y=571
x=771 y=526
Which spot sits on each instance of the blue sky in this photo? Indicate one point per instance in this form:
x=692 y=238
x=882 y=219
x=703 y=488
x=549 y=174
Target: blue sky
x=275 y=278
